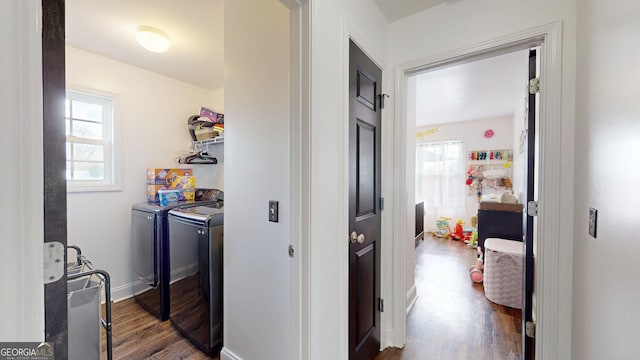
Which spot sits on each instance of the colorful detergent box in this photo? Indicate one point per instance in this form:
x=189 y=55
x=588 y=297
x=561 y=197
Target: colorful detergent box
x=165 y=176
x=152 y=192
x=168 y=196
x=182 y=182
x=189 y=195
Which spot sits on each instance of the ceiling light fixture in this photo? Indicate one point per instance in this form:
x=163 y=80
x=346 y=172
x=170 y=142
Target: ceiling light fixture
x=153 y=39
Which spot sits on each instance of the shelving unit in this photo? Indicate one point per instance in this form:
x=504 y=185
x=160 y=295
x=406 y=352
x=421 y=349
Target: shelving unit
x=203 y=145
x=482 y=162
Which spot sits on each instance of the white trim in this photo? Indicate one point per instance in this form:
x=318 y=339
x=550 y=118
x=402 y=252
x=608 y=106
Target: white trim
x=411 y=298
x=299 y=150
x=554 y=242
x=227 y=354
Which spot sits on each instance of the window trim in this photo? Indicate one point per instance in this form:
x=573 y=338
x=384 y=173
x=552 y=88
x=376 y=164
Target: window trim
x=111 y=136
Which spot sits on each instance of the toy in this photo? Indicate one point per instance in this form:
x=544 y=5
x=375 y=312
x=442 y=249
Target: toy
x=460 y=233
x=473 y=241
x=442 y=229
x=475 y=272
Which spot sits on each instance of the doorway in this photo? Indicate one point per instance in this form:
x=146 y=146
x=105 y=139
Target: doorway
x=549 y=249
x=468 y=151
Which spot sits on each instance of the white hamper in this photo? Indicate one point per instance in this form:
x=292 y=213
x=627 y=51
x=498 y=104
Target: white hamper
x=503 y=271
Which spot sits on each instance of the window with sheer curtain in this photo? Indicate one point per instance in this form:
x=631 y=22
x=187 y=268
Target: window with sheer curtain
x=440 y=180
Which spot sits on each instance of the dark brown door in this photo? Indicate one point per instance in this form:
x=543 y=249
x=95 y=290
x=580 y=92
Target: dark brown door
x=55 y=185
x=528 y=343
x=364 y=212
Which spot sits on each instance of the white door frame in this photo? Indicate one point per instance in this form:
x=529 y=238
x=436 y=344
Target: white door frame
x=554 y=248
x=299 y=150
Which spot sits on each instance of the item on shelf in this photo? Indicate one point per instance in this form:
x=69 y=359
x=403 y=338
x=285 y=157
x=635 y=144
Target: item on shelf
x=200 y=128
x=197 y=157
x=494 y=174
x=165 y=176
x=212 y=116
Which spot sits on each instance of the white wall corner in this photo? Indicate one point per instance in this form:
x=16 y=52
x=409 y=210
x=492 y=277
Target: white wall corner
x=412 y=296
x=227 y=354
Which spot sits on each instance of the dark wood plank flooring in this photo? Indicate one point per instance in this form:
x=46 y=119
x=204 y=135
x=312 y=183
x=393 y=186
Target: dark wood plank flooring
x=139 y=335
x=452 y=319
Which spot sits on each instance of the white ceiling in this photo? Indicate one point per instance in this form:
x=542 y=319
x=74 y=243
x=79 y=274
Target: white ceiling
x=482 y=89
x=396 y=9
x=195 y=27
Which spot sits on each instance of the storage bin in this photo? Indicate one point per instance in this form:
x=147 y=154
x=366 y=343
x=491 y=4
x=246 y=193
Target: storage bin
x=503 y=271
x=83 y=306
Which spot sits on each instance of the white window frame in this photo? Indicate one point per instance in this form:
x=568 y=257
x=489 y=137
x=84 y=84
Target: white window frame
x=112 y=176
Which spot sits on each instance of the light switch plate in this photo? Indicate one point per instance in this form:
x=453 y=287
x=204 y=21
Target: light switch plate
x=273 y=211
x=593 y=222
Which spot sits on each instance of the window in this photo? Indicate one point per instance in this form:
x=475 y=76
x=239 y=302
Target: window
x=90 y=147
x=440 y=180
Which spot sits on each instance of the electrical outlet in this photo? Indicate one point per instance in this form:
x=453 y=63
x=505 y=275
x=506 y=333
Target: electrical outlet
x=273 y=211
x=593 y=221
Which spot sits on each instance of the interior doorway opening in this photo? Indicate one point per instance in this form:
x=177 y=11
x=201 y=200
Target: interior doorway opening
x=502 y=156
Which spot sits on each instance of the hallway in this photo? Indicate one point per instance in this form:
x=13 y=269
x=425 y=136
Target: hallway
x=452 y=319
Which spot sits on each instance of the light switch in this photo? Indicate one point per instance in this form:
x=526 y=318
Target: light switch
x=593 y=221
x=273 y=211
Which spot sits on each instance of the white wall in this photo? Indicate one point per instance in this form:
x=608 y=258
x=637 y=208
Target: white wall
x=606 y=291
x=456 y=25
x=471 y=133
x=256 y=263
x=332 y=21
x=151 y=113
x=21 y=229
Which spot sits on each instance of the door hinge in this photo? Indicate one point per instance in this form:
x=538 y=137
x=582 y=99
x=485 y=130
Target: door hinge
x=534 y=86
x=382 y=96
x=530 y=329
x=381 y=203
x=291 y=251
x=532 y=208
x=53 y=261
x=380 y=305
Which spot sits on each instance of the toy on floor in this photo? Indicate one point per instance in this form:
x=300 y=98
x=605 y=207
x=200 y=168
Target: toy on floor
x=475 y=272
x=460 y=233
x=473 y=240
x=442 y=228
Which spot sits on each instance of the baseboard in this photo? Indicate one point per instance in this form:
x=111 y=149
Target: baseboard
x=119 y=293
x=227 y=354
x=411 y=298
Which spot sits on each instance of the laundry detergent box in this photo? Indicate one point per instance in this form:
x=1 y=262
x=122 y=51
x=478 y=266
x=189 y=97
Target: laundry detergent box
x=152 y=192
x=182 y=182
x=165 y=176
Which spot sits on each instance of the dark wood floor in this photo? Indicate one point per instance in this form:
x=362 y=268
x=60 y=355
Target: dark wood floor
x=139 y=335
x=452 y=319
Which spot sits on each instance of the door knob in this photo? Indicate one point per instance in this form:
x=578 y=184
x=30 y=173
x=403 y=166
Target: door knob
x=357 y=238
